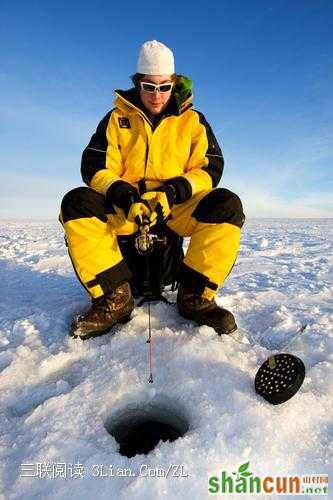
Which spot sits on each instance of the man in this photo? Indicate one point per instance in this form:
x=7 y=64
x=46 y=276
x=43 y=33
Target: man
x=152 y=156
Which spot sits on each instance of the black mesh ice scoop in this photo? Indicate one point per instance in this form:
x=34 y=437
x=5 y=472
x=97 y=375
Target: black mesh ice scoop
x=279 y=378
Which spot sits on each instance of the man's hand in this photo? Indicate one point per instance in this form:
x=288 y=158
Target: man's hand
x=121 y=194
x=138 y=212
x=160 y=202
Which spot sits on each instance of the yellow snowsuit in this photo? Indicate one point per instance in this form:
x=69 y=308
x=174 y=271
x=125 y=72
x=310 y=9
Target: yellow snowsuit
x=128 y=147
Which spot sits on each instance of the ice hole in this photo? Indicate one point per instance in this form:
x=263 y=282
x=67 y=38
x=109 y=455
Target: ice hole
x=139 y=429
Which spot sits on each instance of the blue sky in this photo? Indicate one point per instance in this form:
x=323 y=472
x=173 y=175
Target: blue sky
x=263 y=77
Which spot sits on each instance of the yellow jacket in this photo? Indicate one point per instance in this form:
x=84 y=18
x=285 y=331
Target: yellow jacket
x=128 y=146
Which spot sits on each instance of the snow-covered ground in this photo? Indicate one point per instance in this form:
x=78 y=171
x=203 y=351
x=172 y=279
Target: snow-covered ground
x=58 y=393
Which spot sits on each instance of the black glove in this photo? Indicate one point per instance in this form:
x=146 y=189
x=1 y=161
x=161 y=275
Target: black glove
x=170 y=192
x=177 y=189
x=122 y=194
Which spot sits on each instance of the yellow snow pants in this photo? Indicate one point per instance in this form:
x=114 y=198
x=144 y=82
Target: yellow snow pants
x=212 y=219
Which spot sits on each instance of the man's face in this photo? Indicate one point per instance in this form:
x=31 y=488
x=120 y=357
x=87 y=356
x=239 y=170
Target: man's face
x=156 y=101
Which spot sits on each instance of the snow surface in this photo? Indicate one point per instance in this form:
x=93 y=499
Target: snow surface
x=58 y=393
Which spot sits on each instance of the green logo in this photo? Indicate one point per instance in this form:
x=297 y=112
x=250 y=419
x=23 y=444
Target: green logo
x=243 y=481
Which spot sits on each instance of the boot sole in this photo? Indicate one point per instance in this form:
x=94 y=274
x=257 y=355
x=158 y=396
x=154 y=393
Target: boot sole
x=222 y=332
x=229 y=332
x=99 y=333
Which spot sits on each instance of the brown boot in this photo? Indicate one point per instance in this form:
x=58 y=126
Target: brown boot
x=204 y=312
x=106 y=311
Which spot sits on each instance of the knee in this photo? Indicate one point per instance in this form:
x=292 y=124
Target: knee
x=74 y=197
x=82 y=202
x=233 y=207
x=218 y=206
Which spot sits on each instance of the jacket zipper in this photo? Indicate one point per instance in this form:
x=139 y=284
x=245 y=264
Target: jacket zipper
x=147 y=153
x=146 y=159
x=147 y=144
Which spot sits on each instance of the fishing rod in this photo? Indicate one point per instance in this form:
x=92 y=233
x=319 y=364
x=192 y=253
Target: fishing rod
x=146 y=243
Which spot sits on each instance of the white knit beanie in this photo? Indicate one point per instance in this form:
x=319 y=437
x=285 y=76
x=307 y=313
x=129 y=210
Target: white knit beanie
x=155 y=58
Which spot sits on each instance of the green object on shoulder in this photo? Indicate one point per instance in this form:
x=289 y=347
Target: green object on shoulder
x=183 y=89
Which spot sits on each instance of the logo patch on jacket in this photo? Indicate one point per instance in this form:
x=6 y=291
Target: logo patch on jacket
x=124 y=122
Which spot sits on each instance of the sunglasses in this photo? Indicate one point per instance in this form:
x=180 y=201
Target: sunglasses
x=151 y=87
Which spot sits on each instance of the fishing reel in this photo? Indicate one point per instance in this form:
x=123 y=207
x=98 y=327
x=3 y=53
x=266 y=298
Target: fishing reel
x=145 y=242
